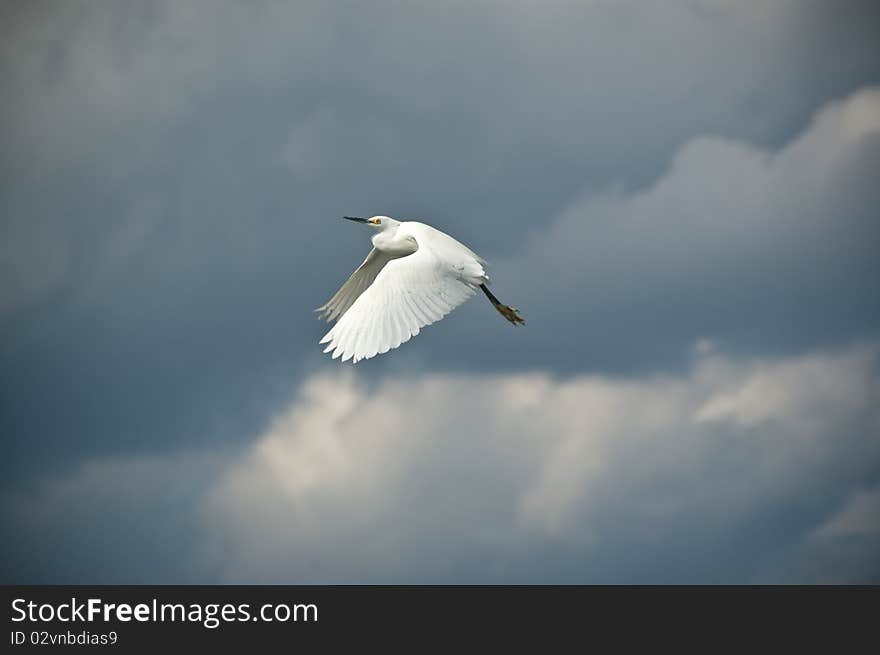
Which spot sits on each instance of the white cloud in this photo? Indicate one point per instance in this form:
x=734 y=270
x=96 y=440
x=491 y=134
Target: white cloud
x=464 y=477
x=460 y=478
x=784 y=390
x=722 y=199
x=734 y=244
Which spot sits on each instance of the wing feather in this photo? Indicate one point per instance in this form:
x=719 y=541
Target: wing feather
x=354 y=286
x=405 y=295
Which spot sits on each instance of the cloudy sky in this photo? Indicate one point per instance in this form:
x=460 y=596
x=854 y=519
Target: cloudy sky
x=680 y=197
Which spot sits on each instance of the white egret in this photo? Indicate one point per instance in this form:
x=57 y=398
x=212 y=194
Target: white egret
x=414 y=276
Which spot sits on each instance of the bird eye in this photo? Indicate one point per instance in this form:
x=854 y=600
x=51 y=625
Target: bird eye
x=376 y=221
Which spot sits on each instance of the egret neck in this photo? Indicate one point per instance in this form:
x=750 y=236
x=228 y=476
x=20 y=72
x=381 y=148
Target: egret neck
x=388 y=241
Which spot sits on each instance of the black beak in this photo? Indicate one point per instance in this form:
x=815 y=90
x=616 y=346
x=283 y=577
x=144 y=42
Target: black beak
x=355 y=218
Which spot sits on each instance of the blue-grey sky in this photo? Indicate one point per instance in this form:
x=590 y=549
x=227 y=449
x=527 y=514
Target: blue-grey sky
x=680 y=197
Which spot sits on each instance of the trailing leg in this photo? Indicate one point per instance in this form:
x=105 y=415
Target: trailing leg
x=510 y=313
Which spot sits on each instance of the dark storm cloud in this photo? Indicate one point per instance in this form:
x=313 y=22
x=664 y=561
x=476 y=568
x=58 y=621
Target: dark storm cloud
x=172 y=178
x=175 y=177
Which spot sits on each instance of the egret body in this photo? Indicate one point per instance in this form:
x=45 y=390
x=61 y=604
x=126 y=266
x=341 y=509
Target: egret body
x=414 y=276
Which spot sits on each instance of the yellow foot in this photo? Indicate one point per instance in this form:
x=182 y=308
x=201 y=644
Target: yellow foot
x=511 y=314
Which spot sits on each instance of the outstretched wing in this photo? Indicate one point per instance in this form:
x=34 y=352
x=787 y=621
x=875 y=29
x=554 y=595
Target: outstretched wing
x=407 y=294
x=354 y=286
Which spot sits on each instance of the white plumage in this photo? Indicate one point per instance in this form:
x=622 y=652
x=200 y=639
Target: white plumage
x=414 y=276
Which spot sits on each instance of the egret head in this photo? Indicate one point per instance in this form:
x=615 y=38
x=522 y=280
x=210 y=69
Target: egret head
x=378 y=222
